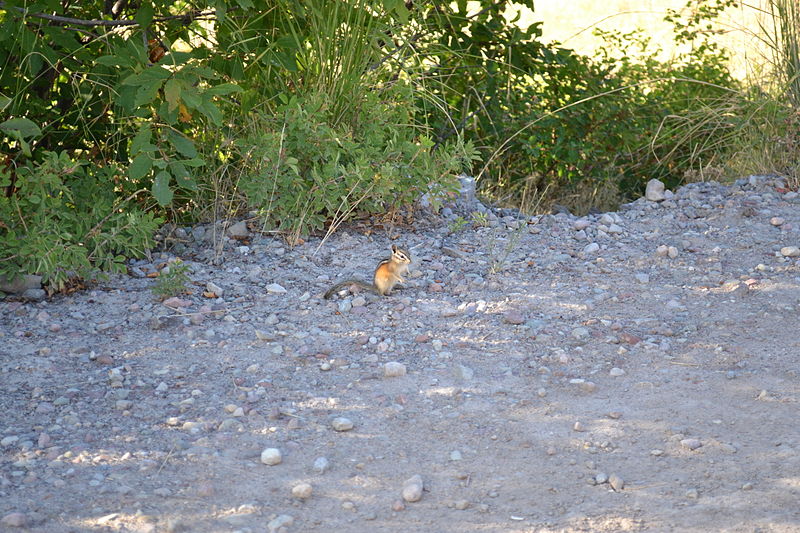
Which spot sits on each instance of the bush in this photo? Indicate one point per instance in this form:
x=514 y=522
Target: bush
x=64 y=221
x=300 y=171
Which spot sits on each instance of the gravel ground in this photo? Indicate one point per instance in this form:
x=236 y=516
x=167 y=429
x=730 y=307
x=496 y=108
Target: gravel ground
x=631 y=371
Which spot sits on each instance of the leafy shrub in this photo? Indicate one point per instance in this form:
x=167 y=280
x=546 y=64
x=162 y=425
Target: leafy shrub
x=299 y=170
x=63 y=220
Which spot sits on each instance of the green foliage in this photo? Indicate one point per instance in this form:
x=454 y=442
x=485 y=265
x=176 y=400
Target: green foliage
x=172 y=280
x=64 y=221
x=550 y=118
x=457 y=224
x=299 y=170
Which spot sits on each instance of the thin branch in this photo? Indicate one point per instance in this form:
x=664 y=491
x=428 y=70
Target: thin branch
x=188 y=17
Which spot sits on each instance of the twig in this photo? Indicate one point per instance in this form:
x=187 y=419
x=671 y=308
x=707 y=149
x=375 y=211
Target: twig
x=187 y=17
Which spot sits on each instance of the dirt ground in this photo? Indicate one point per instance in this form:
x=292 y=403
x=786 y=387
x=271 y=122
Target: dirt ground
x=633 y=371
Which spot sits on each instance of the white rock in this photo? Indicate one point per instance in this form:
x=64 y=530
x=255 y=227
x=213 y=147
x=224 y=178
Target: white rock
x=642 y=277
x=672 y=252
x=691 y=444
x=654 y=191
x=302 y=491
x=790 y=251
x=777 y=221
x=412 y=489
x=591 y=248
x=662 y=250
x=616 y=482
x=276 y=288
x=394 y=369
x=616 y=372
x=341 y=423
x=271 y=456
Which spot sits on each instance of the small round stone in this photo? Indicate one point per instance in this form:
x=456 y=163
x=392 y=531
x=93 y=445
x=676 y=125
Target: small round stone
x=412 y=489
x=321 y=465
x=461 y=504
x=616 y=482
x=15 y=520
x=394 y=369
x=691 y=444
x=341 y=423
x=271 y=456
x=302 y=491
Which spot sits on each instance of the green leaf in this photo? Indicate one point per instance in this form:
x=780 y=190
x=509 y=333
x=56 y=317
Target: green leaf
x=141 y=141
x=146 y=93
x=25 y=127
x=172 y=93
x=209 y=109
x=182 y=176
x=191 y=98
x=194 y=162
x=145 y=14
x=140 y=166
x=4 y=102
x=224 y=88
x=182 y=144
x=161 y=191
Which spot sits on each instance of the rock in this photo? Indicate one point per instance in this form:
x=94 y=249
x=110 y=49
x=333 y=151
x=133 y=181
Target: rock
x=601 y=478
x=672 y=252
x=20 y=284
x=577 y=426
x=412 y=489
x=580 y=333
x=321 y=465
x=35 y=295
x=513 y=317
x=275 y=288
x=662 y=250
x=616 y=482
x=642 y=277
x=15 y=520
x=394 y=369
x=455 y=455
x=175 y=302
x=341 y=423
x=302 y=491
x=617 y=372
x=239 y=229
x=591 y=248
x=654 y=191
x=281 y=521
x=777 y=221
x=581 y=224
x=691 y=444
x=461 y=504
x=271 y=456
x=790 y=251
x=216 y=289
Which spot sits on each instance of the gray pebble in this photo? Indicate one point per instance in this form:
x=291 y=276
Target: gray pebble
x=321 y=465
x=342 y=424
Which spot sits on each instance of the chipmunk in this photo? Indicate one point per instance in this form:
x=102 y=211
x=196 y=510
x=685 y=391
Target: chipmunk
x=388 y=273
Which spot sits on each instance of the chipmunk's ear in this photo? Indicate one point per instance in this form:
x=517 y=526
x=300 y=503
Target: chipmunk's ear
x=394 y=248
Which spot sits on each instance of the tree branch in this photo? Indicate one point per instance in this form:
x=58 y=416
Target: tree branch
x=188 y=17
